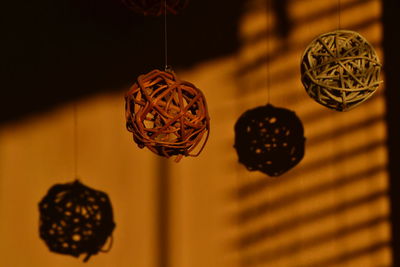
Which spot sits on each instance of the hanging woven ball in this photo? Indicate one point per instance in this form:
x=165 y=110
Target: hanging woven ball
x=156 y=7
x=75 y=219
x=340 y=70
x=167 y=115
x=269 y=139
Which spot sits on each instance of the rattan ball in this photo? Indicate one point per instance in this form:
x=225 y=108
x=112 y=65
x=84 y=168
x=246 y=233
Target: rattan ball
x=75 y=219
x=156 y=7
x=167 y=115
x=269 y=139
x=340 y=70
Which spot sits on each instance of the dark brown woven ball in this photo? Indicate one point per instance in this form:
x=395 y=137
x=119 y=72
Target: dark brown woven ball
x=156 y=7
x=167 y=115
x=269 y=139
x=340 y=70
x=75 y=219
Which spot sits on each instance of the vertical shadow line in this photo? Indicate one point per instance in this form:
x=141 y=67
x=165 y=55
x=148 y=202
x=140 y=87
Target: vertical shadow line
x=391 y=42
x=162 y=209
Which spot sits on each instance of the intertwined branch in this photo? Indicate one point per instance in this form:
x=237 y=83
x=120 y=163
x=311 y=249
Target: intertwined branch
x=167 y=115
x=340 y=70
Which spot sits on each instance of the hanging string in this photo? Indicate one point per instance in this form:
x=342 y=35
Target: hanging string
x=75 y=140
x=165 y=36
x=338 y=10
x=269 y=35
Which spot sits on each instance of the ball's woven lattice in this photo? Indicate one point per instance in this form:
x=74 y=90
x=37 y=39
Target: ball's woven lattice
x=75 y=219
x=156 y=7
x=167 y=115
x=340 y=70
x=269 y=139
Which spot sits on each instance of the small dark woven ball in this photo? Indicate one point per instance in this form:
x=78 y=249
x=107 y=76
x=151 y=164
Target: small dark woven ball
x=75 y=219
x=167 y=115
x=156 y=7
x=269 y=139
x=340 y=70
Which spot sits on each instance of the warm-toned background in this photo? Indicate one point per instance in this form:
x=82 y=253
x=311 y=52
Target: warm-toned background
x=333 y=209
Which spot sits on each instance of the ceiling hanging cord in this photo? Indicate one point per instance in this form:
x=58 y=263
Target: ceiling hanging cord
x=75 y=139
x=166 y=67
x=338 y=48
x=269 y=35
x=338 y=10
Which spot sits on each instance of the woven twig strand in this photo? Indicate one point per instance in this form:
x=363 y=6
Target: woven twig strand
x=340 y=70
x=75 y=219
x=155 y=7
x=167 y=115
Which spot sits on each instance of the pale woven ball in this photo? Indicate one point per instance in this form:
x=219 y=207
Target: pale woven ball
x=340 y=70
x=167 y=115
x=155 y=7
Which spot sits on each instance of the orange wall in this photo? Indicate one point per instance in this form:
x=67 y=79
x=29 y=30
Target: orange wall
x=330 y=210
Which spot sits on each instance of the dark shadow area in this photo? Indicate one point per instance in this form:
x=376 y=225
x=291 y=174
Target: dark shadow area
x=283 y=23
x=156 y=7
x=257 y=206
x=391 y=44
x=337 y=260
x=280 y=252
x=58 y=51
x=344 y=257
x=368 y=122
x=316 y=116
x=250 y=188
x=256 y=211
x=262 y=234
x=280 y=51
x=75 y=219
x=269 y=139
x=339 y=132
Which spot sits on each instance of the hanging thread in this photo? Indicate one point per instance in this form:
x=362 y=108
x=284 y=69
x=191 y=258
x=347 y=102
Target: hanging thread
x=269 y=34
x=338 y=10
x=165 y=36
x=75 y=137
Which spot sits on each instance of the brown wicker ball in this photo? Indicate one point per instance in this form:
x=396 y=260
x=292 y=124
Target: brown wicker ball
x=167 y=115
x=155 y=7
x=340 y=70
